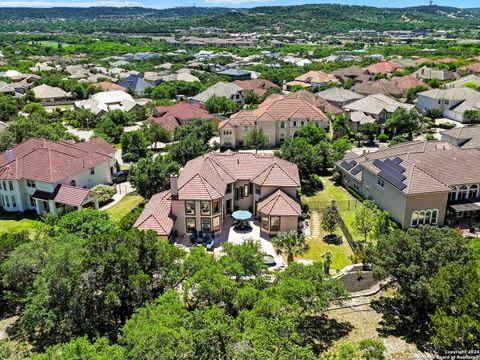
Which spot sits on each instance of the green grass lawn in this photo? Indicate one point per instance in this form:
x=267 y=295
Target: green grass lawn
x=16 y=222
x=124 y=206
x=345 y=202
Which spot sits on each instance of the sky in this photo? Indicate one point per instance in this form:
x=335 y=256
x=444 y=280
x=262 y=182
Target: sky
x=229 y=3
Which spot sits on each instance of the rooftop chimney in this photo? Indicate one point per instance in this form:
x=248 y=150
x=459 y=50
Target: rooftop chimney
x=174 y=185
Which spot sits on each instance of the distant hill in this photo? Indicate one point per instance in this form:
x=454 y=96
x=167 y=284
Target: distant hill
x=323 y=18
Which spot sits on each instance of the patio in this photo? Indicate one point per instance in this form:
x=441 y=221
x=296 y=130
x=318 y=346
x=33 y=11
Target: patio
x=229 y=234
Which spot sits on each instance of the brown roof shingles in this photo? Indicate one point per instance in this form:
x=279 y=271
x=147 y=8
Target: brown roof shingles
x=279 y=204
x=157 y=215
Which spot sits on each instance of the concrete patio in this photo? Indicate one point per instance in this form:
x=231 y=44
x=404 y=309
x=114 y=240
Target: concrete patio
x=229 y=234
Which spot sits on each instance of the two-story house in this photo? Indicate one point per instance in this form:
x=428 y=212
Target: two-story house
x=279 y=117
x=214 y=185
x=418 y=182
x=43 y=175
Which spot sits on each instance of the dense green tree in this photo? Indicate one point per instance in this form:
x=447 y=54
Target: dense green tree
x=199 y=128
x=186 y=149
x=411 y=93
x=109 y=130
x=156 y=133
x=134 y=146
x=220 y=105
x=301 y=152
x=243 y=260
x=290 y=244
x=330 y=218
x=80 y=118
x=403 y=121
x=311 y=133
x=151 y=175
x=256 y=139
x=365 y=218
x=251 y=98
x=471 y=117
x=370 y=130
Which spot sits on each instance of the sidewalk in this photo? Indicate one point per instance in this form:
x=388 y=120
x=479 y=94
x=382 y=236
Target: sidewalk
x=121 y=190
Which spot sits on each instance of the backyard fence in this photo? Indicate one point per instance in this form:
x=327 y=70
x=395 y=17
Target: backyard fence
x=342 y=205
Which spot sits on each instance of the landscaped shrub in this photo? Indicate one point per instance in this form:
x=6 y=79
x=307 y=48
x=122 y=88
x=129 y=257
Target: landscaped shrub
x=105 y=192
x=128 y=220
x=336 y=177
x=433 y=113
x=382 y=138
x=447 y=126
x=316 y=182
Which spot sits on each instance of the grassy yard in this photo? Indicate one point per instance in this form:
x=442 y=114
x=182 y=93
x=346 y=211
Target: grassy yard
x=16 y=222
x=124 y=206
x=345 y=203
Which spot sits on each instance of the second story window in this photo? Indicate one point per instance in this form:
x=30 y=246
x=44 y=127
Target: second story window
x=258 y=190
x=282 y=124
x=31 y=184
x=10 y=185
x=4 y=183
x=190 y=207
x=380 y=182
x=229 y=188
x=92 y=171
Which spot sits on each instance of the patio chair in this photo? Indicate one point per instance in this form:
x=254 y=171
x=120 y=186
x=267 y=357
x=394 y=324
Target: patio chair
x=209 y=245
x=206 y=237
x=193 y=237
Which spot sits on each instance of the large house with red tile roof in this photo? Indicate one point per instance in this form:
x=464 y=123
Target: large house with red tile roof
x=312 y=79
x=383 y=67
x=44 y=175
x=258 y=86
x=169 y=117
x=279 y=116
x=214 y=185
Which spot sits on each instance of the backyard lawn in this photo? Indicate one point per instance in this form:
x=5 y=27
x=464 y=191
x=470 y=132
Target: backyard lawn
x=124 y=206
x=16 y=222
x=346 y=206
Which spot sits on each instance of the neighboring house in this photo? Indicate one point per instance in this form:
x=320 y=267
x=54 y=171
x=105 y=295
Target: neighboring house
x=214 y=185
x=183 y=76
x=43 y=175
x=404 y=63
x=382 y=86
x=464 y=80
x=466 y=137
x=169 y=117
x=105 y=101
x=407 y=82
x=279 y=117
x=236 y=74
x=376 y=106
x=136 y=84
x=229 y=90
x=427 y=73
x=471 y=69
x=108 y=86
x=418 y=182
x=351 y=72
x=312 y=79
x=316 y=101
x=11 y=89
x=383 y=67
x=338 y=96
x=451 y=102
x=47 y=94
x=258 y=86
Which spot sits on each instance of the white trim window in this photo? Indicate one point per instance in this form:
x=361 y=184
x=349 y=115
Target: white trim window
x=380 y=182
x=424 y=217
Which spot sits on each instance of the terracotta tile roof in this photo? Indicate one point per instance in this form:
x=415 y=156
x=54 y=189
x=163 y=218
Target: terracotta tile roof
x=275 y=109
x=383 y=67
x=170 y=117
x=108 y=86
x=70 y=195
x=348 y=72
x=206 y=177
x=316 y=77
x=279 y=204
x=444 y=61
x=475 y=67
x=52 y=161
x=422 y=60
x=259 y=86
x=407 y=82
x=382 y=86
x=157 y=215
x=433 y=166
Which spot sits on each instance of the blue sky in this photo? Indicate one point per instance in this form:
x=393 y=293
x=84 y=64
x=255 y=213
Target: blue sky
x=229 y=3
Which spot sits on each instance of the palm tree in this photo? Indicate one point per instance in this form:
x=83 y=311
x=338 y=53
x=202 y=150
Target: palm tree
x=290 y=244
x=328 y=261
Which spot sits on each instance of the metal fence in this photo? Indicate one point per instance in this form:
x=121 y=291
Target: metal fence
x=342 y=205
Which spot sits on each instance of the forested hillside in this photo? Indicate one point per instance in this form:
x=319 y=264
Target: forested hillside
x=323 y=18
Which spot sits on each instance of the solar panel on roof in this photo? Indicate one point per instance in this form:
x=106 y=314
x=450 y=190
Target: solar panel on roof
x=397 y=160
x=383 y=166
x=356 y=169
x=392 y=180
x=348 y=165
x=397 y=167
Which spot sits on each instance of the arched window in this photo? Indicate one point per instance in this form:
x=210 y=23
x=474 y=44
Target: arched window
x=73 y=183
x=415 y=218
x=434 y=217
x=428 y=215
x=421 y=218
x=473 y=191
x=462 y=192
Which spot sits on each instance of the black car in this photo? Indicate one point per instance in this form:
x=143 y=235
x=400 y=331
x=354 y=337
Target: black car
x=120 y=177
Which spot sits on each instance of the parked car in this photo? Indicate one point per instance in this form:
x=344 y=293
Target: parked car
x=119 y=177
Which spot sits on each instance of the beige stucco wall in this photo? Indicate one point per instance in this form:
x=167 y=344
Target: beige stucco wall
x=434 y=201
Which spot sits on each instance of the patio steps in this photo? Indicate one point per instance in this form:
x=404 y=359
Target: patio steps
x=315 y=224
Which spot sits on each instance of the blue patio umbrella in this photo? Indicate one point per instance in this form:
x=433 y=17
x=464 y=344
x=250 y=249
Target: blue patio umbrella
x=241 y=215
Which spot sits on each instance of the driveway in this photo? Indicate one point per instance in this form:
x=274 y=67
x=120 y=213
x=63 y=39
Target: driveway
x=82 y=134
